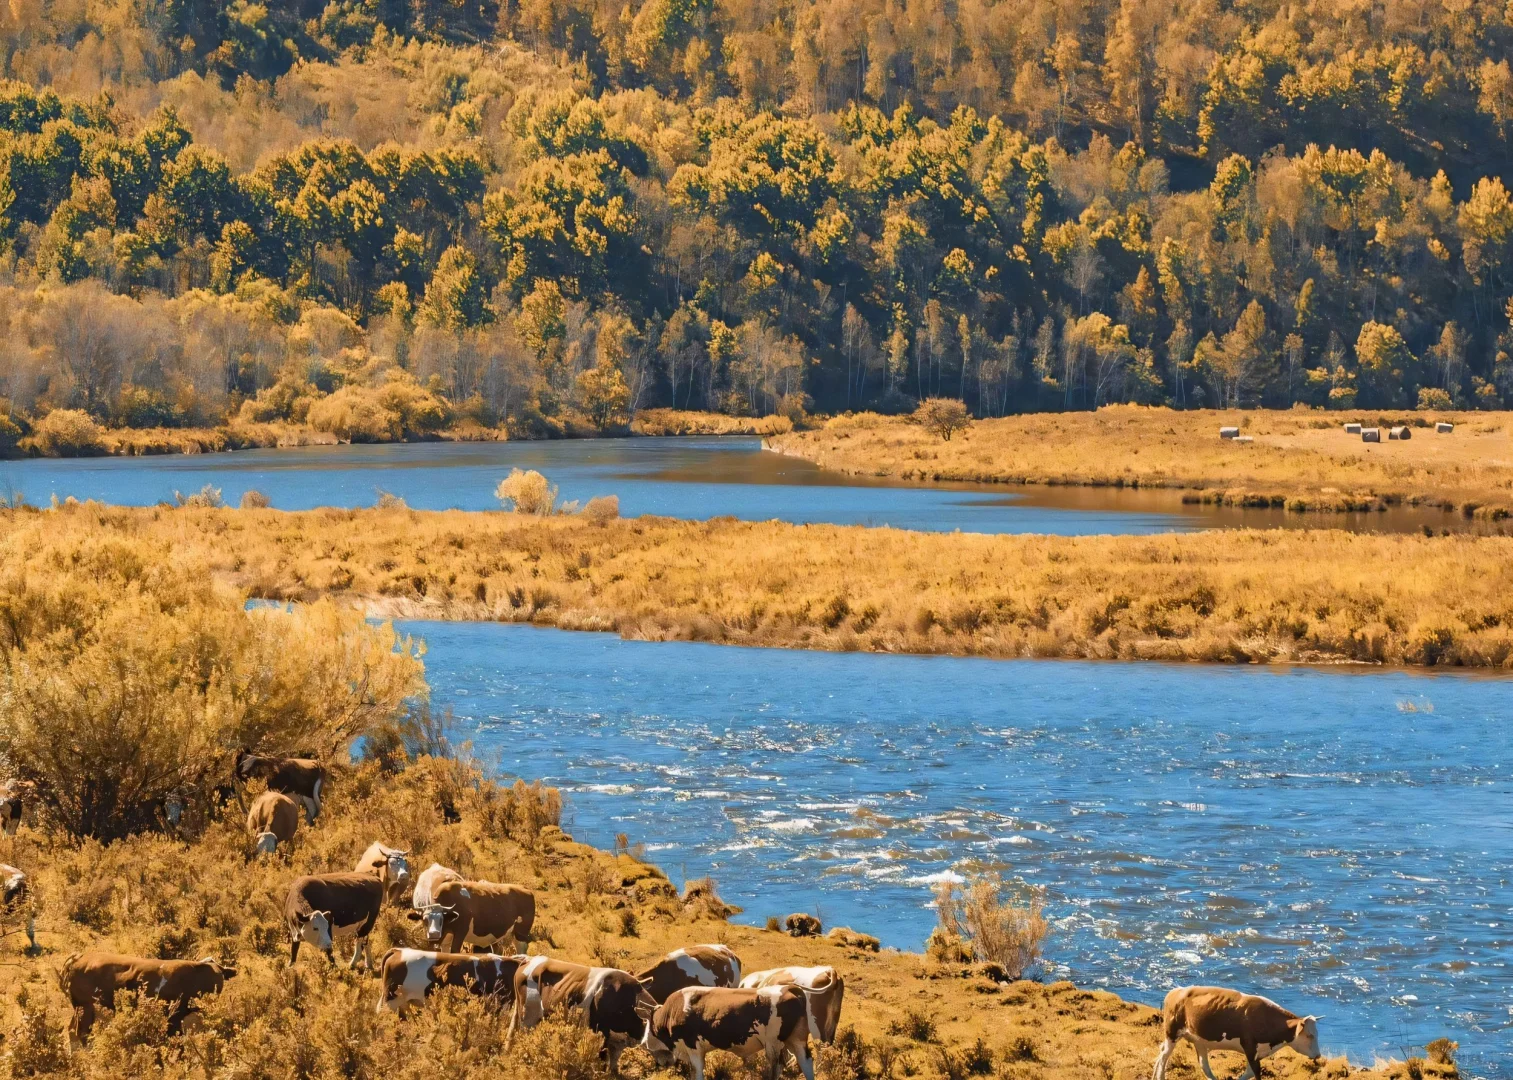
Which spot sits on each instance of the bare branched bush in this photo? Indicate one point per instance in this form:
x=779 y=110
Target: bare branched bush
x=208 y=497
x=528 y=492
x=1003 y=926
x=943 y=417
x=255 y=500
x=602 y=509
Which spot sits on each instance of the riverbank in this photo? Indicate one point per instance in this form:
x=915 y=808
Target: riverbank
x=1301 y=460
x=1226 y=596
x=241 y=435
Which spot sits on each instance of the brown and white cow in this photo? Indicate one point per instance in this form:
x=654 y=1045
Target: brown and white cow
x=747 y=1023
x=826 y=989
x=613 y=1002
x=15 y=901
x=410 y=975
x=94 y=978
x=14 y=795
x=1212 y=1018
x=299 y=778
x=387 y=864
x=697 y=965
x=430 y=879
x=321 y=908
x=272 y=821
x=477 y=913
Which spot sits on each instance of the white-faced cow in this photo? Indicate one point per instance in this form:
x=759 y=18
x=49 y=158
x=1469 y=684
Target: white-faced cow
x=94 y=978
x=430 y=879
x=747 y=1023
x=477 y=913
x=697 y=965
x=16 y=902
x=410 y=975
x=389 y=865
x=321 y=908
x=613 y=1002
x=826 y=989
x=299 y=778
x=1212 y=1018
x=14 y=795
x=272 y=821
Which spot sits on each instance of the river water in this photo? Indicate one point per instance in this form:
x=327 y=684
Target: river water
x=1342 y=841
x=695 y=478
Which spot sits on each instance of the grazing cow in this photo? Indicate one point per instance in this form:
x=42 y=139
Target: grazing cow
x=93 y=978
x=409 y=975
x=697 y=965
x=827 y=991
x=320 y=908
x=272 y=821
x=1216 y=1019
x=430 y=879
x=477 y=913
x=614 y=1003
x=13 y=796
x=387 y=864
x=743 y=1022
x=15 y=900
x=299 y=778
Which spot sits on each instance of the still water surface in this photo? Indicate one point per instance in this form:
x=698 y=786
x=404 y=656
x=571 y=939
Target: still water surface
x=1340 y=840
x=695 y=478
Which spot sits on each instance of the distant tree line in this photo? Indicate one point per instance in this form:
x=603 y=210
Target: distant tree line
x=578 y=211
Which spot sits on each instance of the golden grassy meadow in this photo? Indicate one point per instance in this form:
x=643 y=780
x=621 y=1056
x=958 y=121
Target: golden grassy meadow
x=1227 y=596
x=1300 y=459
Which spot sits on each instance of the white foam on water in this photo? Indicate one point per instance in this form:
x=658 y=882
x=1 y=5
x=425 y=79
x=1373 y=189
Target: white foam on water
x=791 y=825
x=937 y=878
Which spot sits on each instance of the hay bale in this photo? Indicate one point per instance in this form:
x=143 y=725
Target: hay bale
x=1352 y=429
x=1244 y=439
x=1444 y=427
x=1401 y=433
x=1371 y=434
x=1229 y=433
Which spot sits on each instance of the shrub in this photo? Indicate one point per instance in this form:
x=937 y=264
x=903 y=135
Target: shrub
x=387 y=500
x=67 y=433
x=207 y=497
x=125 y=680
x=602 y=509
x=943 y=416
x=141 y=407
x=1442 y=1051
x=1433 y=399
x=1006 y=930
x=253 y=499
x=355 y=414
x=528 y=492
x=916 y=1024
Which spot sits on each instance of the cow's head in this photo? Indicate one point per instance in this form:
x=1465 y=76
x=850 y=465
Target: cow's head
x=173 y=809
x=661 y=1052
x=315 y=929
x=434 y=918
x=396 y=869
x=1305 y=1036
x=267 y=843
x=219 y=972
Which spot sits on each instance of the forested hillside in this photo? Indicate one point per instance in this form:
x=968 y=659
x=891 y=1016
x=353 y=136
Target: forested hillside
x=407 y=213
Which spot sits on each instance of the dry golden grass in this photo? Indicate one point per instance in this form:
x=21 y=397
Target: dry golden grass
x=1299 y=459
x=684 y=422
x=1232 y=596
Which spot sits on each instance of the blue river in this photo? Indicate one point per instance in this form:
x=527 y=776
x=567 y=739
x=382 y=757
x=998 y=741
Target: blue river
x=1340 y=840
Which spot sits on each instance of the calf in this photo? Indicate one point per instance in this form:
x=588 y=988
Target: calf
x=747 y=1023
x=430 y=879
x=477 y=913
x=299 y=778
x=697 y=965
x=13 y=797
x=272 y=821
x=319 y=908
x=15 y=901
x=1215 y=1019
x=387 y=864
x=410 y=975
x=93 y=978
x=826 y=992
x=613 y=1002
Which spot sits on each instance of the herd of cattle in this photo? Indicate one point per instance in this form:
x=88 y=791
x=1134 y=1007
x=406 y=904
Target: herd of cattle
x=692 y=1001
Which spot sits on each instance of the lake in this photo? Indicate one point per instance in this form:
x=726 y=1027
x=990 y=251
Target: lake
x=1339 y=840
x=695 y=478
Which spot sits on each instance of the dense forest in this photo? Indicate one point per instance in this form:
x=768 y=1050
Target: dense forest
x=545 y=210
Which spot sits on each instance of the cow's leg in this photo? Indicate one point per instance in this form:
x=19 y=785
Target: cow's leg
x=509 y=1036
x=1162 y=1058
x=1252 y=1063
x=800 y=1051
x=358 y=946
x=31 y=932
x=293 y=951
x=615 y=1050
x=696 y=1063
x=84 y=1020
x=1203 y=1061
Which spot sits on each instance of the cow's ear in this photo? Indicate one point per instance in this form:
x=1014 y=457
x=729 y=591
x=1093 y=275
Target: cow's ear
x=414 y=916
